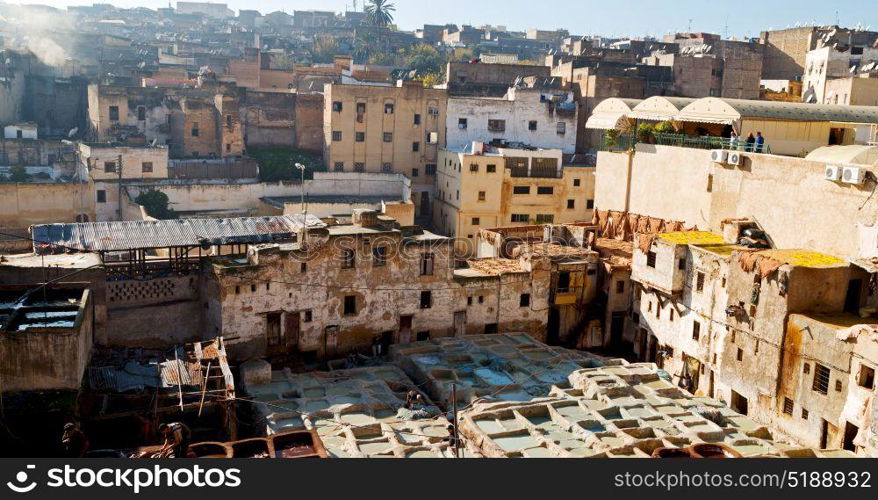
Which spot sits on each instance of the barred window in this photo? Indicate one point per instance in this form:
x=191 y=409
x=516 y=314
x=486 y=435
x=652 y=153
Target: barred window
x=788 y=406
x=821 y=379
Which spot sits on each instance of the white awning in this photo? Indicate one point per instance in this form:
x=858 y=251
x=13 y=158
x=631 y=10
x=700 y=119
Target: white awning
x=606 y=121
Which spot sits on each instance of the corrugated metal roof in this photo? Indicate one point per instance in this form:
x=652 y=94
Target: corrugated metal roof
x=131 y=235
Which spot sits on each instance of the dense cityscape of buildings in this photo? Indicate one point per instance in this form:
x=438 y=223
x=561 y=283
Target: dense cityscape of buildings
x=311 y=225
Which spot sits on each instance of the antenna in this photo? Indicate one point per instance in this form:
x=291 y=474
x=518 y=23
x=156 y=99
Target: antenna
x=690 y=26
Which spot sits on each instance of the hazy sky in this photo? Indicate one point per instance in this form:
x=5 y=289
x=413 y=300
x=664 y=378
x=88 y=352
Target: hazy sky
x=608 y=17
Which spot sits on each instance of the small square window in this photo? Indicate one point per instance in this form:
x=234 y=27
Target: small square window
x=307 y=316
x=462 y=123
x=387 y=167
x=576 y=182
x=348 y=258
x=524 y=300
x=350 y=305
x=336 y=136
x=426 y=299
x=589 y=204
x=417 y=119
x=339 y=166
x=337 y=106
x=430 y=169
x=114 y=113
x=491 y=169
x=388 y=108
x=481 y=299
x=482 y=196
x=388 y=136
x=101 y=196
x=110 y=167
x=620 y=287
x=415 y=172
x=476 y=221
x=532 y=125
x=360 y=137
x=416 y=146
x=474 y=167
x=866 y=377
x=571 y=204
x=359 y=167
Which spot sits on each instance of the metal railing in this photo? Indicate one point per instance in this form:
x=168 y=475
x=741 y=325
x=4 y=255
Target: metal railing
x=627 y=142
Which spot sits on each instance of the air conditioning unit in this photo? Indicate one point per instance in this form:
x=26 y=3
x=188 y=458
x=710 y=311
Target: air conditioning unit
x=719 y=155
x=833 y=173
x=853 y=175
x=735 y=158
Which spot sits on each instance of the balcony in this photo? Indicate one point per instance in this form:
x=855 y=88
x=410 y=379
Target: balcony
x=627 y=143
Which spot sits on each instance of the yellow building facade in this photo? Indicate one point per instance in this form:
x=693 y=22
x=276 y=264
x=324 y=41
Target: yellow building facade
x=485 y=187
x=391 y=129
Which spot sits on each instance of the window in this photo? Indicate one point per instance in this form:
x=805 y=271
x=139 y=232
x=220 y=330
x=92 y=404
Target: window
x=427 y=264
x=681 y=264
x=110 y=167
x=699 y=282
x=838 y=386
x=336 y=136
x=303 y=268
x=562 y=128
x=532 y=125
x=620 y=287
x=710 y=183
x=805 y=414
x=788 y=406
x=476 y=221
x=350 y=305
x=387 y=167
x=563 y=285
x=339 y=166
x=348 y=258
x=520 y=189
x=426 y=299
x=524 y=300
x=361 y=108
x=866 y=377
x=388 y=108
x=359 y=167
x=114 y=113
x=482 y=196
x=462 y=123
x=433 y=111
x=422 y=336
x=806 y=369
x=576 y=182
x=696 y=330
x=388 y=136
x=740 y=354
x=545 y=190
x=520 y=217
x=307 y=316
x=496 y=125
x=379 y=256
x=417 y=120
x=589 y=204
x=195 y=131
x=337 y=106
x=430 y=169
x=146 y=167
x=821 y=379
x=237 y=290
x=545 y=218
x=481 y=299
x=415 y=172
x=571 y=204
x=474 y=167
x=856 y=51
x=491 y=169
x=141 y=113
x=229 y=121
x=228 y=147
x=416 y=146
x=360 y=136
x=102 y=196
x=650 y=259
x=469 y=301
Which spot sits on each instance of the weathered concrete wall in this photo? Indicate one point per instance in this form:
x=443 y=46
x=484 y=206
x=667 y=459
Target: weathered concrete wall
x=767 y=187
x=172 y=305
x=25 y=204
x=38 y=361
x=12 y=91
x=217 y=196
x=309 y=122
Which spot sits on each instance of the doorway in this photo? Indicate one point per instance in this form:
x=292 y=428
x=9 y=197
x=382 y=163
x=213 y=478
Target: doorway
x=617 y=329
x=291 y=331
x=330 y=338
x=825 y=430
x=405 y=329
x=852 y=300
x=553 y=334
x=739 y=403
x=460 y=323
x=850 y=433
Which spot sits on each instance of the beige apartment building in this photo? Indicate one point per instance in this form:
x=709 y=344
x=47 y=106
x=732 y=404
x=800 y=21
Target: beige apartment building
x=485 y=186
x=391 y=129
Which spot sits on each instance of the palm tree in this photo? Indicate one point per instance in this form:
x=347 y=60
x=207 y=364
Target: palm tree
x=379 y=13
